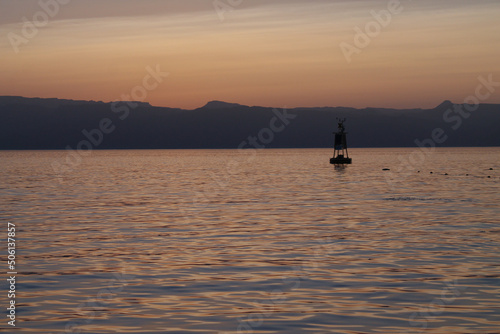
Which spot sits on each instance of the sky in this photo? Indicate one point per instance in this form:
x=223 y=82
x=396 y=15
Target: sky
x=281 y=53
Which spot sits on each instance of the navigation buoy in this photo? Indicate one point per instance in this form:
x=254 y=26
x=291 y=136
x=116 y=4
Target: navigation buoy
x=340 y=154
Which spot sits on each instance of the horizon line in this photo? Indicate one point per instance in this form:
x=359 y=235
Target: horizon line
x=446 y=101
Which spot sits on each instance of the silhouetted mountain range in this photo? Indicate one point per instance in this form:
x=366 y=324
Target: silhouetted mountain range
x=34 y=123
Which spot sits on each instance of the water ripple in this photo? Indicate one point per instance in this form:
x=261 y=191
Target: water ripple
x=178 y=242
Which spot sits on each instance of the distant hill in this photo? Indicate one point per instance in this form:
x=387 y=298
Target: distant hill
x=34 y=123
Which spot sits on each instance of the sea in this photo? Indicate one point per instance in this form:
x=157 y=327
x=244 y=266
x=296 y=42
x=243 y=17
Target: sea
x=404 y=240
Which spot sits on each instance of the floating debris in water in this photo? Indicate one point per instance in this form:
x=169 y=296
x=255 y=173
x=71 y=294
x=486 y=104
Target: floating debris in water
x=404 y=199
x=420 y=199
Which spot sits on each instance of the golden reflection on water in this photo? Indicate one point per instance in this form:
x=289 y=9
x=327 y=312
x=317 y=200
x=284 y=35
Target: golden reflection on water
x=210 y=242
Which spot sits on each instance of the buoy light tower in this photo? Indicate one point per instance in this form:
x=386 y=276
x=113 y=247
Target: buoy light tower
x=340 y=155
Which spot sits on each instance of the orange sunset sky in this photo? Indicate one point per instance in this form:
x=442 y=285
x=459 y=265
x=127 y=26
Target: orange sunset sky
x=253 y=52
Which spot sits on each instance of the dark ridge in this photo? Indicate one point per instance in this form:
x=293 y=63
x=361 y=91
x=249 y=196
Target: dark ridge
x=220 y=105
x=445 y=105
x=34 y=123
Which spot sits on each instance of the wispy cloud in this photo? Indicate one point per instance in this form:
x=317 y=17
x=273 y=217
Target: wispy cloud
x=265 y=52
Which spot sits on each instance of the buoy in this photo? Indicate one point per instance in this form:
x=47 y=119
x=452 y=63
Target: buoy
x=340 y=154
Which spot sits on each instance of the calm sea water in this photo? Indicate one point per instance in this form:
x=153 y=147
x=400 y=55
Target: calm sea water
x=270 y=241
